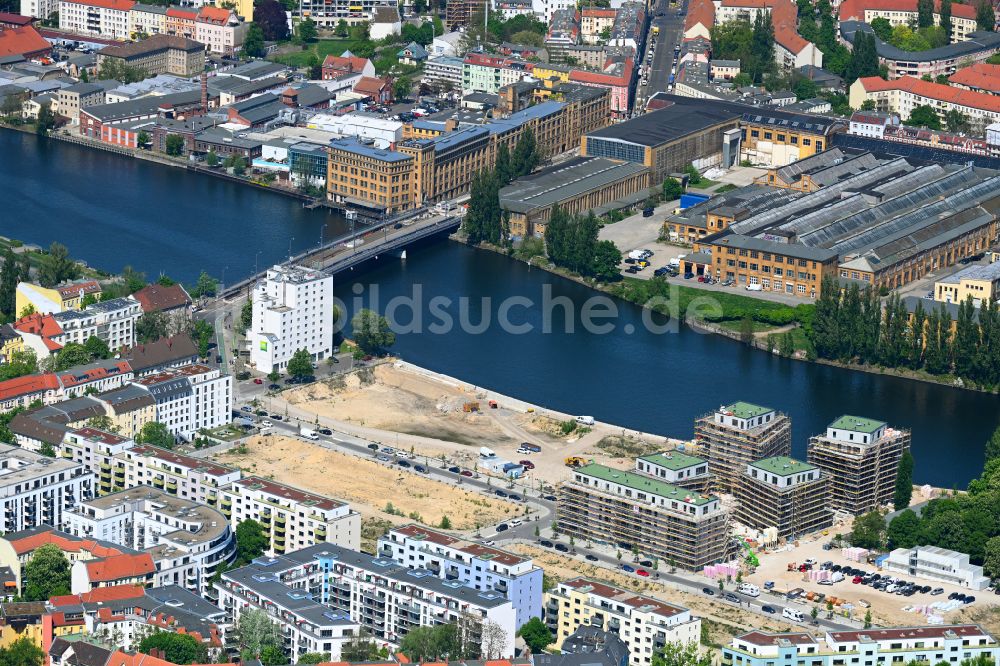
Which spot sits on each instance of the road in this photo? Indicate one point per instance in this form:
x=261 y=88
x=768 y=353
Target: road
x=671 y=26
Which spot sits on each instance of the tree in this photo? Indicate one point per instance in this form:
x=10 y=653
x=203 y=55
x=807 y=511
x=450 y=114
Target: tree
x=251 y=541
x=526 y=156
x=270 y=16
x=205 y=287
x=19 y=364
x=924 y=116
x=246 y=316
x=985 y=16
x=672 y=189
x=151 y=326
x=71 y=355
x=255 y=632
x=925 y=13
x=57 y=266
x=46 y=119
x=868 y=619
x=360 y=647
x=211 y=158
x=300 y=365
x=904 y=481
x=864 y=59
x=155 y=433
x=10 y=275
x=315 y=658
x=272 y=655
x=97 y=348
x=306 y=30
x=115 y=69
x=502 y=166
x=46 y=574
x=371 y=332
x=445 y=523
x=494 y=640
x=536 y=634
x=993 y=445
x=904 y=530
x=677 y=653
x=991 y=561
x=253 y=42
x=945 y=22
x=22 y=652
x=882 y=28
x=956 y=121
x=401 y=89
x=47 y=450
x=607 y=258
x=176 y=648
x=174 y=144
x=868 y=531
x=142 y=140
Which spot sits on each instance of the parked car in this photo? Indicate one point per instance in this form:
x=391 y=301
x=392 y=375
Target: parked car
x=502 y=527
x=403 y=463
x=325 y=431
x=258 y=380
x=549 y=498
x=546 y=543
x=709 y=591
x=273 y=387
x=729 y=596
x=420 y=468
x=562 y=548
x=688 y=275
x=382 y=458
x=768 y=609
x=642 y=572
x=466 y=472
x=646 y=563
x=592 y=558
x=627 y=569
x=455 y=470
x=516 y=498
x=499 y=493
x=527 y=464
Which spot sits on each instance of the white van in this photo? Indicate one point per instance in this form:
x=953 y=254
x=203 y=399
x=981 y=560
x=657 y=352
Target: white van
x=793 y=614
x=310 y=434
x=748 y=589
x=585 y=420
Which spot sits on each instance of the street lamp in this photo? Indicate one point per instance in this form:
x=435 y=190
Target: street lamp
x=290 y=248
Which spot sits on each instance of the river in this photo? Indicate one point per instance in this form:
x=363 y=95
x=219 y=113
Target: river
x=158 y=218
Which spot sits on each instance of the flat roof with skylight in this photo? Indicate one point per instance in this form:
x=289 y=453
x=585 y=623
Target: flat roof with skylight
x=857 y=424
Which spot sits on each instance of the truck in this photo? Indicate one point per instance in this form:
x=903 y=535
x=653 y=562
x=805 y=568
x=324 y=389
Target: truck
x=533 y=448
x=575 y=461
x=309 y=433
x=656 y=30
x=670 y=80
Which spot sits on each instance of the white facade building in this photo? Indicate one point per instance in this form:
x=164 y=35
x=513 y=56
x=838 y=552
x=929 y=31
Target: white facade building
x=187 y=540
x=111 y=321
x=190 y=398
x=107 y=19
x=939 y=564
x=38 y=490
x=292 y=310
x=476 y=566
x=382 y=131
x=39 y=8
x=444 y=69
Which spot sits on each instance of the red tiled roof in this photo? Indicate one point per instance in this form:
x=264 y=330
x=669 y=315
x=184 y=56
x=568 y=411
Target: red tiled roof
x=121 y=658
x=216 y=15
x=121 y=5
x=935 y=91
x=65 y=543
x=28 y=385
x=598 y=12
x=855 y=9
x=15 y=19
x=70 y=379
x=100 y=595
x=351 y=63
x=118 y=567
x=182 y=13
x=700 y=11
x=38 y=324
x=368 y=85
x=981 y=76
x=898 y=633
x=25 y=41
x=155 y=297
x=624 y=596
x=77 y=288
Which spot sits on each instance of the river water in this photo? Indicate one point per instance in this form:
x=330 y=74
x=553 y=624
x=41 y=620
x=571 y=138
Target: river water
x=112 y=211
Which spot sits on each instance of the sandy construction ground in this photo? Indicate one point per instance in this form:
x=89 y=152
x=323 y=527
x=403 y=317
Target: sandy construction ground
x=724 y=620
x=366 y=484
x=427 y=413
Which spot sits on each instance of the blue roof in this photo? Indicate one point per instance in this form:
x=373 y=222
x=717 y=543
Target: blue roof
x=434 y=125
x=358 y=148
x=458 y=137
x=515 y=120
x=415 y=49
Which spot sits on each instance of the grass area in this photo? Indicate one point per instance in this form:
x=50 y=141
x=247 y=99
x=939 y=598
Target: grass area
x=320 y=49
x=626 y=447
x=736 y=325
x=227 y=433
x=728 y=187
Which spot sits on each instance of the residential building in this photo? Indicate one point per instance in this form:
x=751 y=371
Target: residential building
x=328 y=14
x=385 y=21
x=220 y=29
x=335 y=67
x=735 y=435
x=444 y=71
x=980 y=283
x=460 y=12
x=146 y=20
x=38 y=490
x=136 y=465
x=52 y=387
x=643 y=623
x=38 y=8
x=664 y=521
x=677 y=468
x=377 y=89
x=783 y=494
x=724 y=70
x=172 y=301
x=472 y=564
x=334 y=589
x=588 y=644
x=945 y=60
x=861 y=457
x=577 y=186
x=190 y=398
x=187 y=541
x=872 y=123
x=170 y=352
x=292 y=310
x=293 y=518
x=902 y=95
x=111 y=571
x=979 y=77
x=69 y=296
x=98 y=18
x=159 y=54
x=412 y=54
x=11 y=343
x=35 y=428
x=111 y=321
x=904 y=12
x=23 y=43
x=595 y=22
x=68 y=103
x=39 y=333
x=936 y=564
x=934 y=644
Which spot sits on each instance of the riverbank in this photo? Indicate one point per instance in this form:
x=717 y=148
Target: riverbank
x=768 y=317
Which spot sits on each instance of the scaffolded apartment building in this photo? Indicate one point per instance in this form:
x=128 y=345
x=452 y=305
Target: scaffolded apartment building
x=661 y=520
x=861 y=458
x=736 y=435
x=785 y=494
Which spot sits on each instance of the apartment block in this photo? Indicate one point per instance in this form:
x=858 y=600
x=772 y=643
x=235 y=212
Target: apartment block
x=606 y=505
x=783 y=494
x=159 y=54
x=472 y=564
x=190 y=398
x=735 y=435
x=937 y=564
x=644 y=624
x=861 y=458
x=949 y=644
x=676 y=467
x=107 y=19
x=293 y=518
x=38 y=490
x=53 y=387
x=328 y=13
x=292 y=310
x=111 y=321
x=187 y=541
x=334 y=590
x=980 y=283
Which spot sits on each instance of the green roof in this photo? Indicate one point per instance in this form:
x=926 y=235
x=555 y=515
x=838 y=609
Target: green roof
x=746 y=410
x=857 y=424
x=644 y=483
x=783 y=465
x=674 y=460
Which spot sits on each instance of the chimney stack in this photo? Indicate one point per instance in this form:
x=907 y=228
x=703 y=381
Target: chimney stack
x=204 y=93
